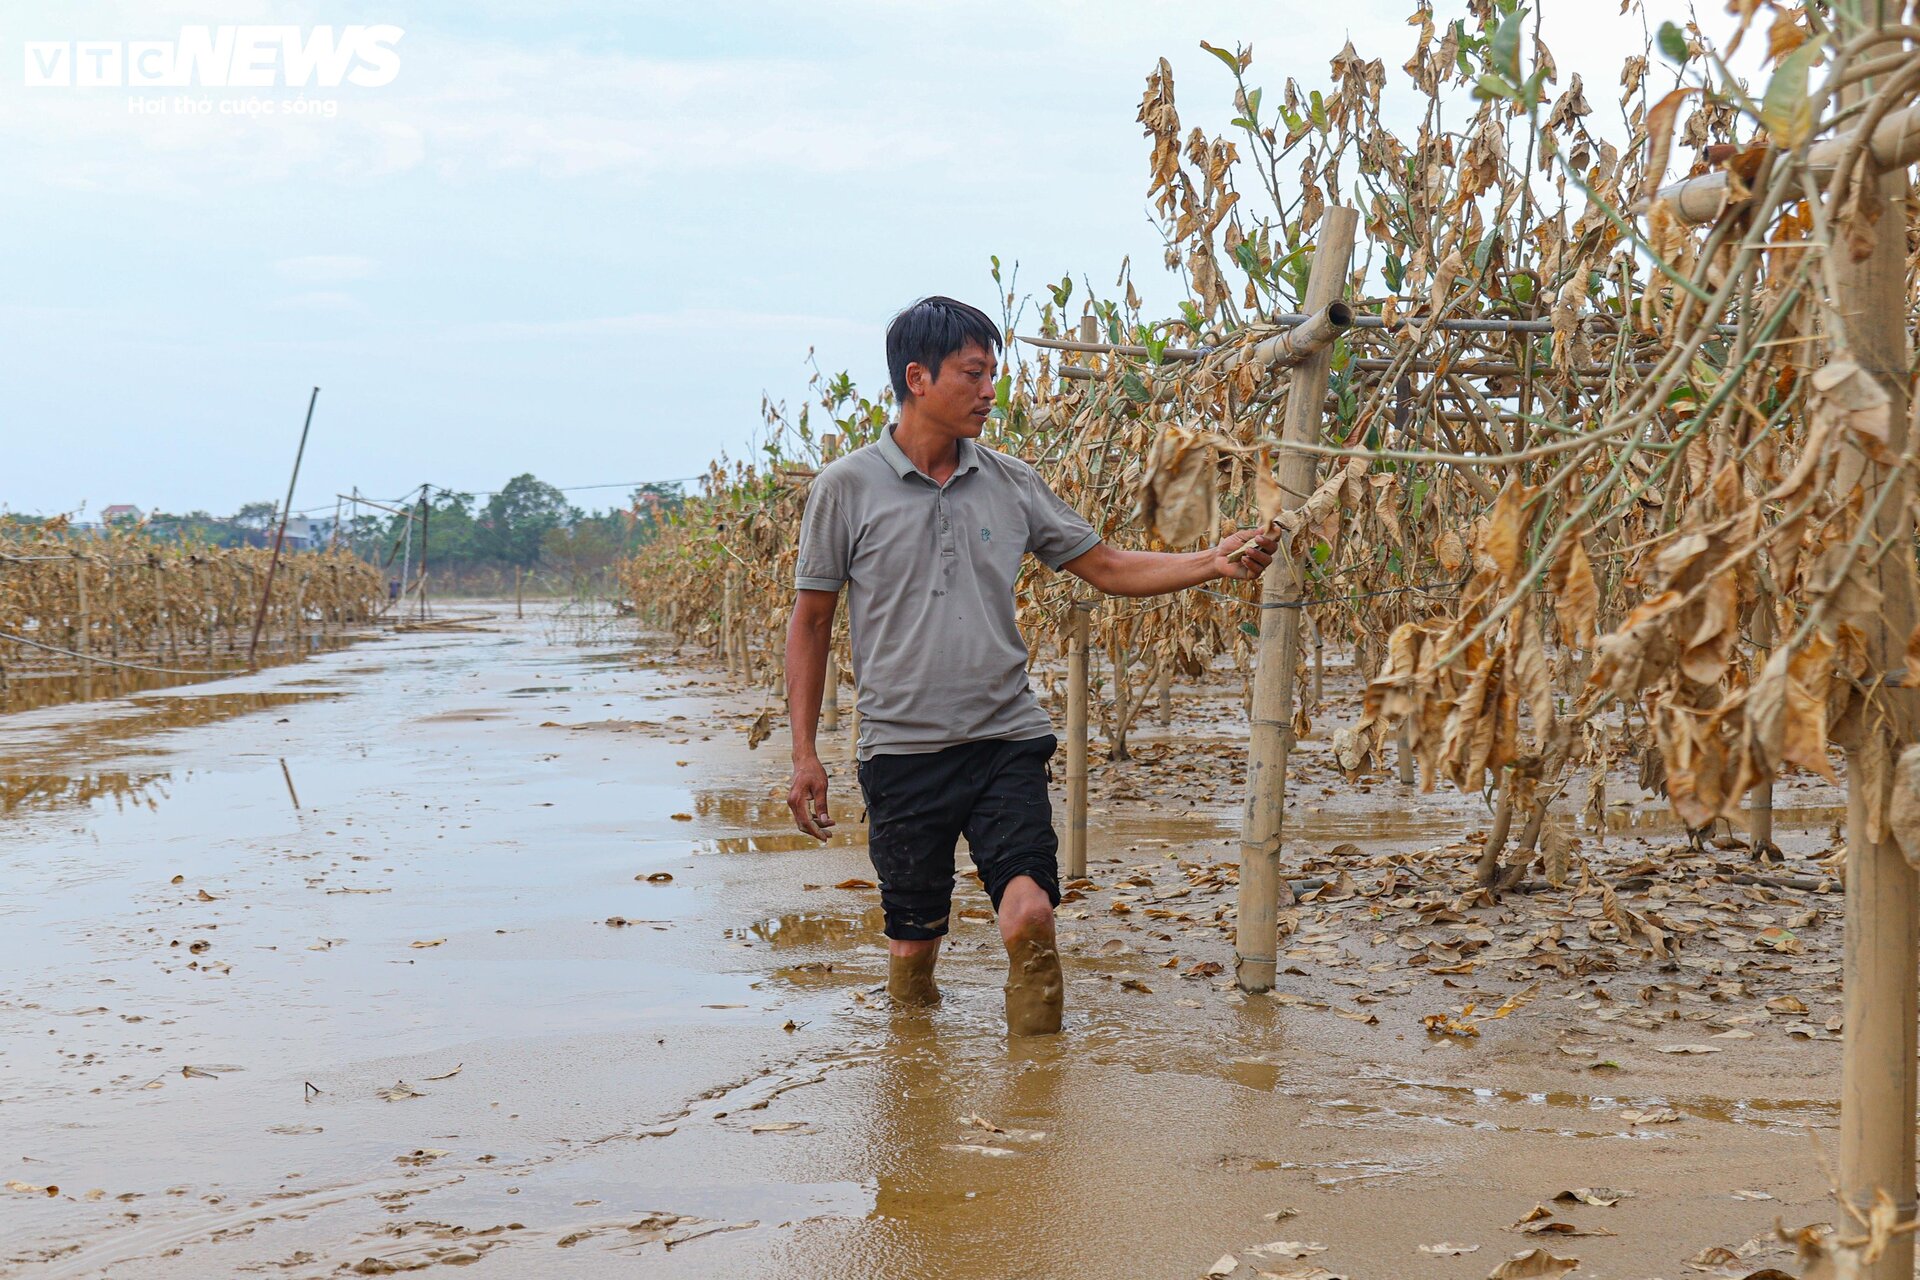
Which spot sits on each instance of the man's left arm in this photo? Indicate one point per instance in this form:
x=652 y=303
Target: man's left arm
x=1150 y=573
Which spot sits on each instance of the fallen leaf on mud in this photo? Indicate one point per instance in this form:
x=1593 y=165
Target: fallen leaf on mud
x=199 y=947
x=27 y=1188
x=1134 y=984
x=398 y=1091
x=326 y=944
x=1786 y=1005
x=1205 y=969
x=178 y=880
x=1532 y=1263
x=1578 y=1050
x=206 y=1073
x=1689 y=1048
x=1781 y=940
x=618 y=922
x=1601 y=1197
x=1290 y=1248
x=430 y=942
x=1280 y=1215
x=448 y=1075
x=421 y=1155
x=681 y=817
x=778 y=1126
x=854 y=882
x=1226 y=1265
x=204 y=896
x=658 y=877
x=1446 y=1024
x=1446 y=1250
x=1713 y=1258
x=1652 y=1115
x=293 y=1129
x=1752 y=1195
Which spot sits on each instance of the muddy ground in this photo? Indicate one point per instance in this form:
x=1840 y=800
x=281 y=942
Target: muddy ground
x=486 y=948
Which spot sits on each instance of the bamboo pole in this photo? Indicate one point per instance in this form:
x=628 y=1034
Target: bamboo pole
x=830 y=696
x=280 y=534
x=82 y=642
x=726 y=621
x=1256 y=936
x=519 y=576
x=1881 y=982
x=1077 y=638
x=1163 y=693
x=1403 y=753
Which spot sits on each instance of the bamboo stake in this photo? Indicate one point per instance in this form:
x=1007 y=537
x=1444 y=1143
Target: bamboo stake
x=280 y=534
x=1403 y=753
x=726 y=622
x=1881 y=983
x=1078 y=624
x=1163 y=693
x=519 y=576
x=830 y=696
x=1257 y=935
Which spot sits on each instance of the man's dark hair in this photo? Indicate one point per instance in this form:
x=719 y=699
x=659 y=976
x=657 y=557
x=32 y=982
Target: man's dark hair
x=931 y=330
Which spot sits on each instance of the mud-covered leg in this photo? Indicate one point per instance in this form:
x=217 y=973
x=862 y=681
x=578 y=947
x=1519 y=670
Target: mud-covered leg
x=1034 y=991
x=910 y=971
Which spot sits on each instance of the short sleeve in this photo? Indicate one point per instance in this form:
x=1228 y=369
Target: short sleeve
x=1055 y=531
x=826 y=548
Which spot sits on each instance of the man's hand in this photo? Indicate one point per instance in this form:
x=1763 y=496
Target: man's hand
x=808 y=798
x=1248 y=563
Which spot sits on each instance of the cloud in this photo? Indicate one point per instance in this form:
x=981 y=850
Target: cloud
x=318 y=300
x=743 y=326
x=320 y=269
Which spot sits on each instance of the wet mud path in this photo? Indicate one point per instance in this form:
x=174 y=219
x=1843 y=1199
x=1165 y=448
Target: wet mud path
x=476 y=950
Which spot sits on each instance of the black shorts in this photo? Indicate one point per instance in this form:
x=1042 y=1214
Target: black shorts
x=918 y=806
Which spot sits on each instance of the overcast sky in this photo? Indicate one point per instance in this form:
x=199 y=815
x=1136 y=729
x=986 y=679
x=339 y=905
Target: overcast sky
x=574 y=238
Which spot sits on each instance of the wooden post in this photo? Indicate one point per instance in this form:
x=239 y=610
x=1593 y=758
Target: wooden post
x=1319 y=664
x=1403 y=753
x=1078 y=628
x=1122 y=702
x=830 y=696
x=1880 y=980
x=1256 y=935
x=726 y=621
x=519 y=576
x=280 y=533
x=82 y=641
x=1163 y=693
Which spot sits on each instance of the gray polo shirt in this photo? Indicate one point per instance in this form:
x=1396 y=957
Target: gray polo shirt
x=938 y=656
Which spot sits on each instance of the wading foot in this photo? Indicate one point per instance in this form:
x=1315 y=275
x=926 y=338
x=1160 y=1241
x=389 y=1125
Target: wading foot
x=1034 y=987
x=910 y=979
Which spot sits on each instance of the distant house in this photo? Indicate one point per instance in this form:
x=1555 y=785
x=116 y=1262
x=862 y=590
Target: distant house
x=304 y=534
x=119 y=512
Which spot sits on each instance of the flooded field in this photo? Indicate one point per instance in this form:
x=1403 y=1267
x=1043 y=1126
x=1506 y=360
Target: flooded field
x=475 y=948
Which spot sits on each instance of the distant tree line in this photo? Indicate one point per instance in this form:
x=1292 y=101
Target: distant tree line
x=528 y=527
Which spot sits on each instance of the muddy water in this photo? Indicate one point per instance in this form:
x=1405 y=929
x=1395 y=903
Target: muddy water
x=545 y=898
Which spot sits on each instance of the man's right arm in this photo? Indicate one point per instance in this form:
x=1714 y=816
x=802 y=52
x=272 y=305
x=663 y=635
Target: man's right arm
x=808 y=637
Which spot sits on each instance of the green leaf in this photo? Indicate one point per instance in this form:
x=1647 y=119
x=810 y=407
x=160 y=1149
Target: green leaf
x=1786 y=112
x=1232 y=61
x=1322 y=552
x=1521 y=288
x=1247 y=628
x=1135 y=389
x=1253 y=103
x=1503 y=57
x=1673 y=42
x=1492 y=86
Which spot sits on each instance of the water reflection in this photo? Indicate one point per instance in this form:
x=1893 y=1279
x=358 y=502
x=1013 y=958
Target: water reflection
x=59 y=790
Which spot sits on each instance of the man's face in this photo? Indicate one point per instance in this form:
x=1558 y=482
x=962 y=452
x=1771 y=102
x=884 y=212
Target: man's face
x=962 y=396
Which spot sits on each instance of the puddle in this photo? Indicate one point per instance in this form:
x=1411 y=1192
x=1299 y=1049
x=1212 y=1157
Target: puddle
x=817 y=929
x=1786 y=1114
x=26 y=792
x=1662 y=822
x=31 y=690
x=110 y=726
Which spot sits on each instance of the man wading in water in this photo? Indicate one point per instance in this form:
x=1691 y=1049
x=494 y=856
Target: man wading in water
x=929 y=528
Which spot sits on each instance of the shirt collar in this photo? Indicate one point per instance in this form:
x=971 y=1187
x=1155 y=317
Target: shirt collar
x=903 y=466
